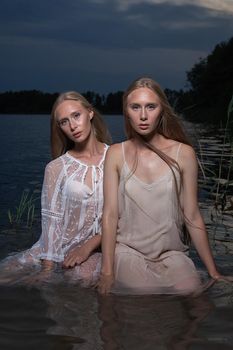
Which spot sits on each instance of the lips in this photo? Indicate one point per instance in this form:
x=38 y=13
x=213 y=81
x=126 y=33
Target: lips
x=143 y=126
x=77 y=134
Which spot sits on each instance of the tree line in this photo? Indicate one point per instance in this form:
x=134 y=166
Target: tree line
x=38 y=102
x=206 y=97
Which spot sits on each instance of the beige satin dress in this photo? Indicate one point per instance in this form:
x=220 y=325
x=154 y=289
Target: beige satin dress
x=150 y=256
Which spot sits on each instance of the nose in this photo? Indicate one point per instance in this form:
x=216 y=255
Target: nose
x=73 y=124
x=143 y=115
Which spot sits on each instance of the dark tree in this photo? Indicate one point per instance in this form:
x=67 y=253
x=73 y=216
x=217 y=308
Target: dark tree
x=113 y=103
x=211 y=85
x=26 y=102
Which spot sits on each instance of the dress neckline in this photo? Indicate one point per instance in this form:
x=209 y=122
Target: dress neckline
x=156 y=181
x=146 y=184
x=89 y=165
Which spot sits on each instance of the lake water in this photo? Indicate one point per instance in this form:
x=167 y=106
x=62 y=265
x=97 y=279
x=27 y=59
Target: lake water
x=62 y=317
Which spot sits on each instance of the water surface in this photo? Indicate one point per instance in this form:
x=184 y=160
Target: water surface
x=58 y=316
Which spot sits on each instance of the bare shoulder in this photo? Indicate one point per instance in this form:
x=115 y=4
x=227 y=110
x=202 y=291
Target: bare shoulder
x=187 y=151
x=187 y=157
x=115 y=150
x=114 y=155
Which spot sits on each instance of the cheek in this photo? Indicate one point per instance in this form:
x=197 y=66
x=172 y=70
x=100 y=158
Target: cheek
x=86 y=124
x=131 y=114
x=132 y=118
x=156 y=116
x=132 y=122
x=66 y=133
x=83 y=120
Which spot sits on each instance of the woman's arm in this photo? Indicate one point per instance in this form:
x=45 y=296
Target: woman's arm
x=110 y=216
x=53 y=204
x=79 y=254
x=193 y=218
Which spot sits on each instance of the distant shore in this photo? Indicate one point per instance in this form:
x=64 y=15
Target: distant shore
x=37 y=102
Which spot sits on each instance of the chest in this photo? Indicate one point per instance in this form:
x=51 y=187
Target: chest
x=84 y=184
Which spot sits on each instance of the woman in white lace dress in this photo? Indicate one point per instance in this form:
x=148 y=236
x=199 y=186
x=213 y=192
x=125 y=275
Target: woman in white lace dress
x=72 y=196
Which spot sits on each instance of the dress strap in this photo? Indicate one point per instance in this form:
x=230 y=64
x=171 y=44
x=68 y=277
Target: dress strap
x=178 y=151
x=104 y=154
x=123 y=150
x=94 y=189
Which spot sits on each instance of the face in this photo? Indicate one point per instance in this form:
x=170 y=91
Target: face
x=144 y=110
x=74 y=120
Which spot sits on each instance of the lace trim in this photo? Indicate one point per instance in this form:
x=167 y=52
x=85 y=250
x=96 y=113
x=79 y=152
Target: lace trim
x=51 y=213
x=99 y=165
x=51 y=257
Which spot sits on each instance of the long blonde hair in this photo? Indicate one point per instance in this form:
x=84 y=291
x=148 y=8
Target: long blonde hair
x=60 y=143
x=169 y=126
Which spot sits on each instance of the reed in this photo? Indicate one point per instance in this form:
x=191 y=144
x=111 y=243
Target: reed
x=229 y=112
x=221 y=178
x=25 y=211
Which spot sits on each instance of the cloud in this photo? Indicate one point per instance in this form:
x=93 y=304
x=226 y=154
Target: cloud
x=96 y=44
x=96 y=22
x=217 y=5
x=100 y=25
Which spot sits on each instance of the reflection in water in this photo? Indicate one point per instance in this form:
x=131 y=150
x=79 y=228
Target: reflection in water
x=74 y=312
x=24 y=324
x=69 y=317
x=151 y=322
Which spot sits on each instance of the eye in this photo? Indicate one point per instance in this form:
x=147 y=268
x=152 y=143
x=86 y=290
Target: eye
x=135 y=107
x=63 y=122
x=76 y=115
x=151 y=106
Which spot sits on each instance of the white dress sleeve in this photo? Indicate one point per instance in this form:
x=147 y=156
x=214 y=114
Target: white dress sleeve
x=52 y=211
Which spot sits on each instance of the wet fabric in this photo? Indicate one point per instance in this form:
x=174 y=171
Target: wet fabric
x=150 y=256
x=71 y=202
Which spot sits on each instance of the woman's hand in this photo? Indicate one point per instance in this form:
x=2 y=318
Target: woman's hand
x=39 y=277
x=218 y=278
x=47 y=265
x=105 y=283
x=76 y=256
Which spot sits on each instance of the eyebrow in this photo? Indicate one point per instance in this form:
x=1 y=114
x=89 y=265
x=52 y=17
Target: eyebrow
x=62 y=118
x=73 y=113
x=138 y=103
x=77 y=111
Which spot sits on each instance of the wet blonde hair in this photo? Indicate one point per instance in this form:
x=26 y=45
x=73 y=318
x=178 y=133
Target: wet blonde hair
x=60 y=143
x=168 y=125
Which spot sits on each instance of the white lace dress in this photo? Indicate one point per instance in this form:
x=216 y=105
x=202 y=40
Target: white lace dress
x=71 y=215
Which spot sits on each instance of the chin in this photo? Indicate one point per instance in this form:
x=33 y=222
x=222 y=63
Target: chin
x=146 y=135
x=80 y=140
x=144 y=132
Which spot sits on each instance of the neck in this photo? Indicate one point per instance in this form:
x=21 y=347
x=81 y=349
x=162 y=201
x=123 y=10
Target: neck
x=155 y=140
x=90 y=147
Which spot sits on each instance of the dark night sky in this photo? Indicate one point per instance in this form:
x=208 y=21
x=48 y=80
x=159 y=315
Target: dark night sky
x=102 y=45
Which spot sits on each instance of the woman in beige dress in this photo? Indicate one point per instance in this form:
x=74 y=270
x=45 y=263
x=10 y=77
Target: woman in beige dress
x=150 y=194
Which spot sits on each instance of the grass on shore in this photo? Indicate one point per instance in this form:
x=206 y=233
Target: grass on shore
x=25 y=212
